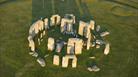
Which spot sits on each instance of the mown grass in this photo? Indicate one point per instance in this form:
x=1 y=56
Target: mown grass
x=123 y=29
x=16 y=17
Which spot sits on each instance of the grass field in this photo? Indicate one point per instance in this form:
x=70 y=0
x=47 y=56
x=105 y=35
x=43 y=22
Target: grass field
x=119 y=17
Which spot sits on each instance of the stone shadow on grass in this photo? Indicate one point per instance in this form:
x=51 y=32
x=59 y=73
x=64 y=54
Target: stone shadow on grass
x=86 y=15
x=41 y=9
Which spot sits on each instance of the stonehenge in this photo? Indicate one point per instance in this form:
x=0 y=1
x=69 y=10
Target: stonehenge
x=86 y=37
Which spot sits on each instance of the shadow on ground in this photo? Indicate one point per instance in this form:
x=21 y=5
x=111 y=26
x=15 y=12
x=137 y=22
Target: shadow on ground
x=86 y=13
x=6 y=1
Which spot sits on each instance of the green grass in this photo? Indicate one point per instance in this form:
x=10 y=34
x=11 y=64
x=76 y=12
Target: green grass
x=17 y=16
x=124 y=11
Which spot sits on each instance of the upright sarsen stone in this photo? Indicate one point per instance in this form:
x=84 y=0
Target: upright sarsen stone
x=46 y=25
x=81 y=28
x=56 y=60
x=51 y=44
x=74 y=46
x=55 y=20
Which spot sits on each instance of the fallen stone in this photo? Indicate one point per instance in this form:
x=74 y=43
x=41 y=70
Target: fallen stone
x=41 y=62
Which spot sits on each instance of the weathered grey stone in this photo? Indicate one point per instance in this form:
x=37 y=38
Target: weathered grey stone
x=94 y=68
x=59 y=46
x=41 y=62
x=104 y=33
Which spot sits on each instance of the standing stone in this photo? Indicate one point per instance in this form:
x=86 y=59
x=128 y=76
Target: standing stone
x=75 y=45
x=74 y=62
x=78 y=46
x=92 y=24
x=81 y=27
x=88 y=31
x=40 y=25
x=32 y=45
x=64 y=62
x=89 y=42
x=55 y=20
x=46 y=23
x=39 y=42
x=51 y=44
x=70 y=46
x=67 y=23
x=98 y=28
x=63 y=24
x=85 y=28
x=56 y=60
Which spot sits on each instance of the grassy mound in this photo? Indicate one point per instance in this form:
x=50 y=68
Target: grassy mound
x=124 y=11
